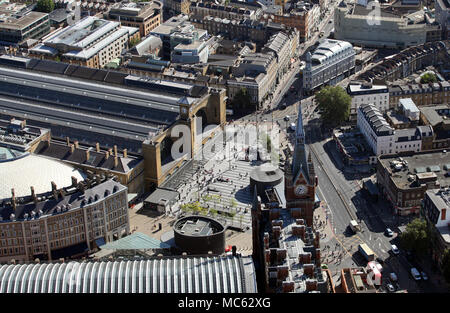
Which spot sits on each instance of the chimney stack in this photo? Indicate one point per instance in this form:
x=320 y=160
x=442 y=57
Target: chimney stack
x=72 y=148
x=13 y=199
x=68 y=141
x=74 y=181
x=116 y=161
x=76 y=144
x=308 y=270
x=115 y=150
x=282 y=271
x=110 y=151
x=318 y=256
x=87 y=155
x=97 y=147
x=288 y=286
x=33 y=194
x=311 y=284
x=125 y=153
x=276 y=230
x=107 y=155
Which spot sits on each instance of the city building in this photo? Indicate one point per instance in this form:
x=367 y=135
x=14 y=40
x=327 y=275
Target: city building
x=442 y=14
x=355 y=280
x=330 y=63
x=143 y=15
x=421 y=94
x=192 y=53
x=404 y=180
x=300 y=178
x=359 y=25
x=232 y=274
x=178 y=30
x=176 y=7
x=55 y=213
x=406 y=63
x=20 y=26
x=223 y=11
x=199 y=235
x=297 y=17
x=154 y=107
x=284 y=46
x=364 y=92
x=353 y=147
x=437 y=117
x=436 y=209
x=286 y=249
x=286 y=252
x=257 y=72
x=384 y=139
x=254 y=31
x=91 y=42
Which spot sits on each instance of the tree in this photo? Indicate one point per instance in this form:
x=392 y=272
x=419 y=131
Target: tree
x=446 y=265
x=428 y=78
x=45 y=6
x=334 y=103
x=241 y=99
x=416 y=237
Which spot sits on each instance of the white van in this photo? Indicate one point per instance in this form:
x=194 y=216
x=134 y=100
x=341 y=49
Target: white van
x=292 y=127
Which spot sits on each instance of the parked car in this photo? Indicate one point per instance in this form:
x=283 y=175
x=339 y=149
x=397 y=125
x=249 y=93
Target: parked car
x=282 y=106
x=388 y=232
x=380 y=260
x=286 y=118
x=390 y=287
x=395 y=250
x=415 y=274
x=424 y=275
x=393 y=276
x=293 y=126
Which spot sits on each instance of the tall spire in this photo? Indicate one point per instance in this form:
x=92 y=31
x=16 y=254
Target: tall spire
x=299 y=160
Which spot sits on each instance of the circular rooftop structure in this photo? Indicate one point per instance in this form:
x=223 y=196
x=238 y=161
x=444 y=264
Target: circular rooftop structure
x=266 y=175
x=22 y=171
x=199 y=235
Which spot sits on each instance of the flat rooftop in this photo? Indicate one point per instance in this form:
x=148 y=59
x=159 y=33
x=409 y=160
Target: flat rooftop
x=424 y=164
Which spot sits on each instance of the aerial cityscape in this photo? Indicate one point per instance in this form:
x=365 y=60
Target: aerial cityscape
x=225 y=147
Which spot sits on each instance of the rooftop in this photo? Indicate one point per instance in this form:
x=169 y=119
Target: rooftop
x=421 y=165
x=40 y=172
x=217 y=274
x=135 y=241
x=375 y=119
x=436 y=114
x=72 y=200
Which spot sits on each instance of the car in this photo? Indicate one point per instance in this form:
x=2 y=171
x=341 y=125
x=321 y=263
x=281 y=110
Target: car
x=286 y=118
x=282 y=106
x=390 y=287
x=292 y=126
x=393 y=276
x=265 y=120
x=395 y=250
x=380 y=260
x=388 y=232
x=415 y=274
x=330 y=21
x=424 y=275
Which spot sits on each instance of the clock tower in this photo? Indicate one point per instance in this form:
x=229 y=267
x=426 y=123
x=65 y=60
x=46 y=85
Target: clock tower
x=300 y=178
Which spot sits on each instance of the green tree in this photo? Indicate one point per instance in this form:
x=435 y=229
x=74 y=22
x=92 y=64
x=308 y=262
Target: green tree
x=416 y=237
x=45 y=6
x=334 y=103
x=428 y=78
x=241 y=99
x=446 y=265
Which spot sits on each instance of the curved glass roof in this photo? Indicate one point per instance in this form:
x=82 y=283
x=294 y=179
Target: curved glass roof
x=224 y=274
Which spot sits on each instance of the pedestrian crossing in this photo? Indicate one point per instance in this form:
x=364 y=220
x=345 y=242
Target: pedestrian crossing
x=349 y=243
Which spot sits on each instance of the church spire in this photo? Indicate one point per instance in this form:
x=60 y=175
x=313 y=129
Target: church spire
x=299 y=161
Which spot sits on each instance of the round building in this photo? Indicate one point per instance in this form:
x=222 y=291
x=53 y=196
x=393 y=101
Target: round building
x=264 y=177
x=199 y=235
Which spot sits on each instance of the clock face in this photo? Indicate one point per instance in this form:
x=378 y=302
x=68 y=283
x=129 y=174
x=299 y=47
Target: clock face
x=184 y=110
x=300 y=190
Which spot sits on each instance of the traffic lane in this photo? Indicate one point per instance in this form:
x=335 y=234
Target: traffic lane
x=340 y=214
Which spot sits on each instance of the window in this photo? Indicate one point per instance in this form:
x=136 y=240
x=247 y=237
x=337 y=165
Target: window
x=443 y=214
